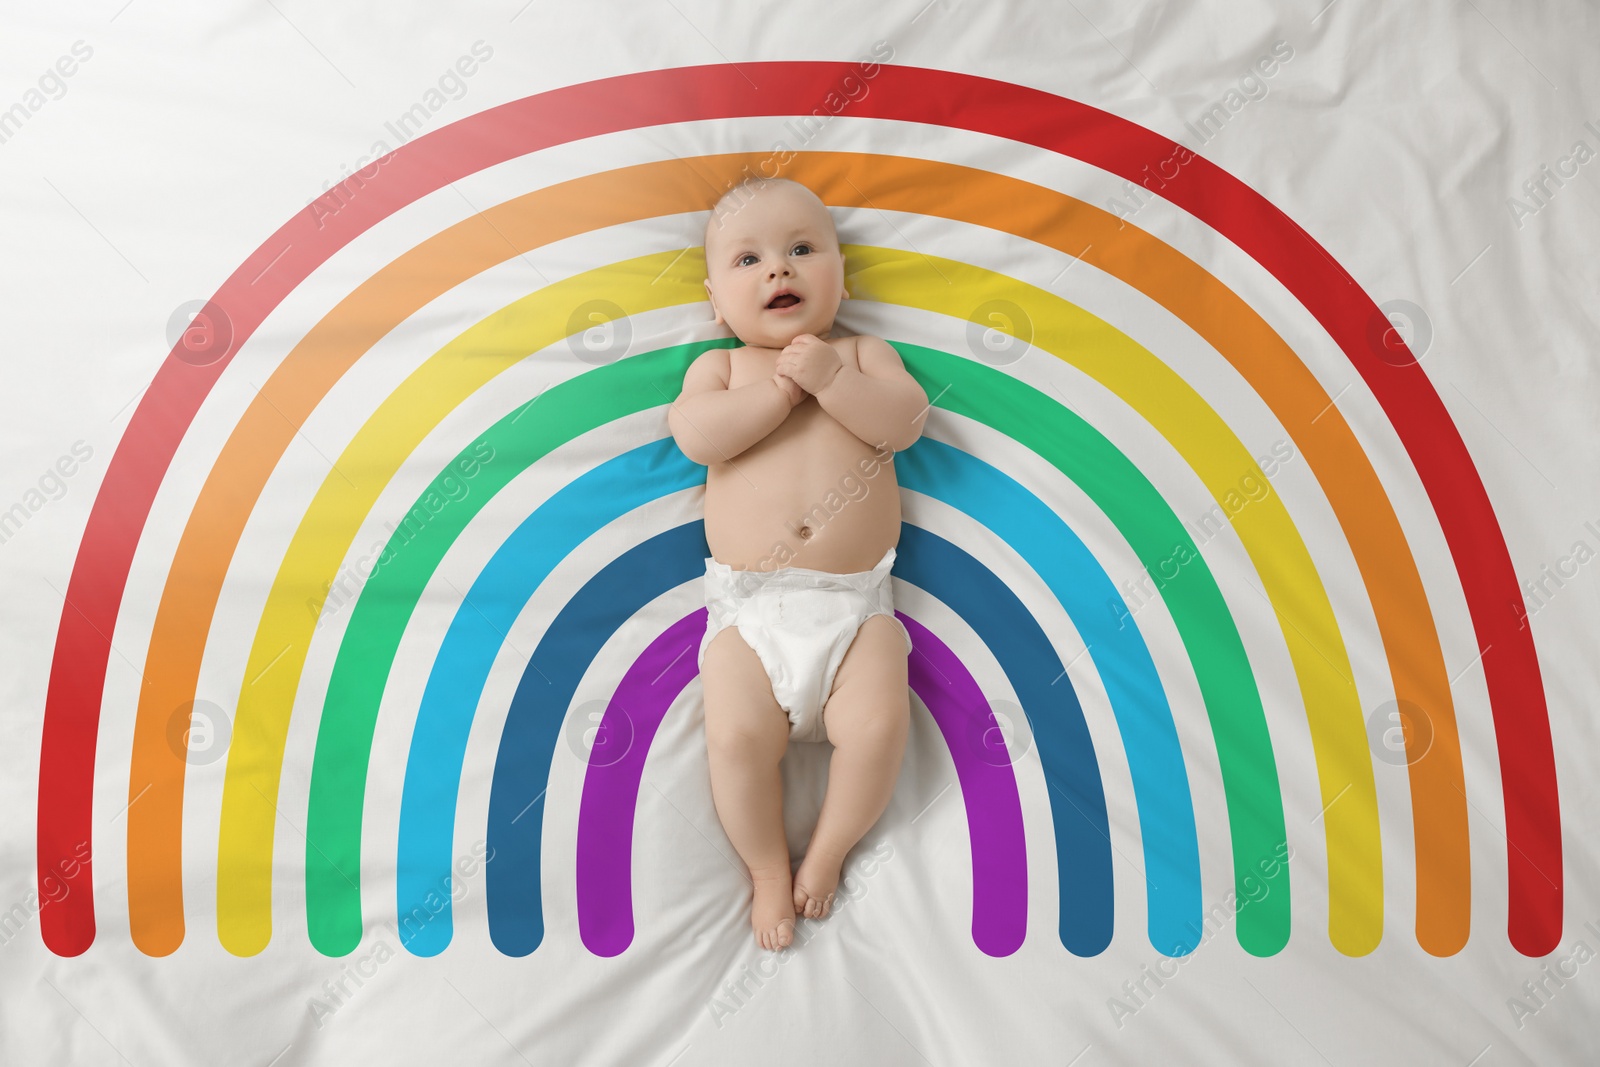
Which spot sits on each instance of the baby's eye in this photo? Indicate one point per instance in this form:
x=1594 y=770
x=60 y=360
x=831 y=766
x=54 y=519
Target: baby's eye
x=747 y=256
x=803 y=249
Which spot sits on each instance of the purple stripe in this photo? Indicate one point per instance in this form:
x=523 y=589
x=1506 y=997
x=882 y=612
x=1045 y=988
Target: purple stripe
x=653 y=682
x=994 y=810
x=611 y=784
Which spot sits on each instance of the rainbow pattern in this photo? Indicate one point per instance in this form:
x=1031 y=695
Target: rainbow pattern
x=617 y=590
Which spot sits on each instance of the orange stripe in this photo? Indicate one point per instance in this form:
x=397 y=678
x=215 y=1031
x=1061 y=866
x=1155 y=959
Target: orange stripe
x=846 y=180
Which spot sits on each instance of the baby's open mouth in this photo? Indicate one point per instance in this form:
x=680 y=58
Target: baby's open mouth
x=783 y=300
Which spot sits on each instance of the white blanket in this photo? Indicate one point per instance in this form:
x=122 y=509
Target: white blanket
x=1249 y=549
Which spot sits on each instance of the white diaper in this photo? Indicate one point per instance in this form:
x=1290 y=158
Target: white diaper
x=800 y=624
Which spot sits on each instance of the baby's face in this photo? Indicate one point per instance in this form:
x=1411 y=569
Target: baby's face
x=781 y=240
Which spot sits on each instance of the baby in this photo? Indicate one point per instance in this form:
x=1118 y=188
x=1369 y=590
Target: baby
x=798 y=430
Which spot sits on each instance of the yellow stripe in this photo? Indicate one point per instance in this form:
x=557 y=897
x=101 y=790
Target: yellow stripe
x=330 y=525
x=325 y=534
x=1215 y=453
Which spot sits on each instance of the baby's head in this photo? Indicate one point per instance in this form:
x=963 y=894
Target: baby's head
x=768 y=236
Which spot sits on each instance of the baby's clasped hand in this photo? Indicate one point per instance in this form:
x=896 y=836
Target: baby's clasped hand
x=791 y=388
x=810 y=361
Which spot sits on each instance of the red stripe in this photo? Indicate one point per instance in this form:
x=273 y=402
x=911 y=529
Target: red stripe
x=94 y=595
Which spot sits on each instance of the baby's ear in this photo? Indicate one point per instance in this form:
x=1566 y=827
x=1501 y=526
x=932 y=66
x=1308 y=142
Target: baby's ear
x=714 y=311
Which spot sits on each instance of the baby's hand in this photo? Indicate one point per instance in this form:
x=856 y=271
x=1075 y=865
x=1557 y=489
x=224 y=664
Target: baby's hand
x=810 y=361
x=791 y=388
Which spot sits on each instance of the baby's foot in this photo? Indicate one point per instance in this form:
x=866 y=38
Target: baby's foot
x=815 y=883
x=772 y=909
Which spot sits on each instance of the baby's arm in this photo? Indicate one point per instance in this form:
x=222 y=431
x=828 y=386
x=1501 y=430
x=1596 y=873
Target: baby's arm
x=881 y=403
x=713 y=423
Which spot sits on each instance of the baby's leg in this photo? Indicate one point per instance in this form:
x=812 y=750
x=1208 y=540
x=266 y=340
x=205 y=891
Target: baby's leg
x=746 y=734
x=867 y=716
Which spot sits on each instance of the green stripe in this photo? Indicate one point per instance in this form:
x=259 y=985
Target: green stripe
x=1233 y=703
x=595 y=398
x=385 y=605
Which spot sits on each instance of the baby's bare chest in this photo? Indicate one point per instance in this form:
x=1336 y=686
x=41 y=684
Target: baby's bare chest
x=750 y=364
x=811 y=484
x=810 y=443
